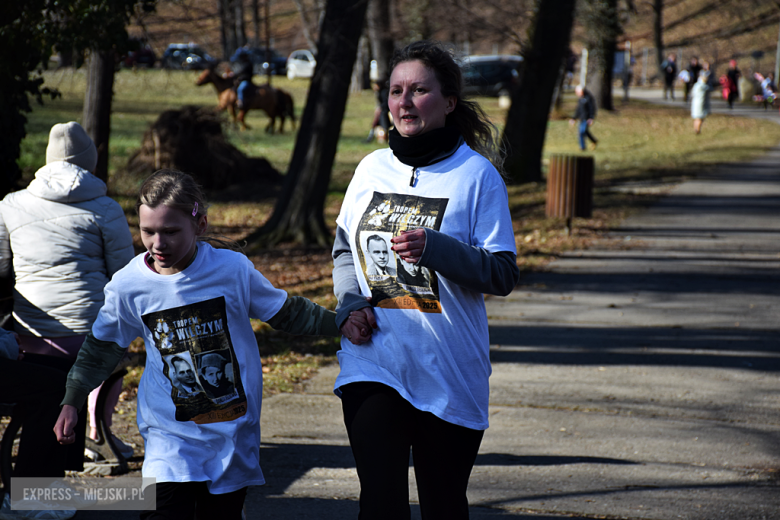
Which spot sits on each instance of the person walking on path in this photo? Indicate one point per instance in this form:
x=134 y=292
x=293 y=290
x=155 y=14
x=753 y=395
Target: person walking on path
x=586 y=115
x=420 y=382
x=700 y=100
x=193 y=302
x=65 y=239
x=669 y=71
x=731 y=87
x=693 y=76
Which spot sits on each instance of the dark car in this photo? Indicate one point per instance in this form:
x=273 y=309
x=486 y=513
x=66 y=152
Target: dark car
x=140 y=55
x=262 y=59
x=496 y=75
x=188 y=56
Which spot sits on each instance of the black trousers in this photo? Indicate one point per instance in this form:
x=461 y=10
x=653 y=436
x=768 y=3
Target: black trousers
x=383 y=428
x=37 y=385
x=192 y=500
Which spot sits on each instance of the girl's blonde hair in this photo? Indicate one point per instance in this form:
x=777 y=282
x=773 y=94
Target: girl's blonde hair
x=178 y=190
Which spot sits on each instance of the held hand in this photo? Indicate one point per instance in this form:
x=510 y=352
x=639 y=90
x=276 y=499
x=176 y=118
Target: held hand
x=64 y=429
x=572 y=121
x=590 y=122
x=409 y=245
x=359 y=326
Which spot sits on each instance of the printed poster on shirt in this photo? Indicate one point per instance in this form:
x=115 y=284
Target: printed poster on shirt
x=199 y=361
x=395 y=283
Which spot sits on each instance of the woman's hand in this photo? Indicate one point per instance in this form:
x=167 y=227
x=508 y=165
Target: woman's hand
x=65 y=427
x=409 y=245
x=359 y=326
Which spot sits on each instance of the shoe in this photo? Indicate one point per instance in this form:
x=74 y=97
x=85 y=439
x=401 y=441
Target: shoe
x=126 y=450
x=91 y=455
x=593 y=146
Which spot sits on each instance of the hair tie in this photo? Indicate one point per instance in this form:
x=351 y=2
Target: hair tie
x=195 y=210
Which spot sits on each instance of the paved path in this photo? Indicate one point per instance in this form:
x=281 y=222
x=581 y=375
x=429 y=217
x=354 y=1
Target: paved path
x=718 y=105
x=637 y=382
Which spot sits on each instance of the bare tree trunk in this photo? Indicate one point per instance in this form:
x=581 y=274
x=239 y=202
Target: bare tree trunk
x=256 y=22
x=224 y=27
x=298 y=215
x=600 y=82
x=267 y=40
x=658 y=32
x=361 y=70
x=97 y=105
x=238 y=9
x=310 y=27
x=777 y=58
x=382 y=46
x=526 y=122
x=232 y=31
x=603 y=24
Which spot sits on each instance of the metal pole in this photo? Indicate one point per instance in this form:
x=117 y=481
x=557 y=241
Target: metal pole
x=644 y=66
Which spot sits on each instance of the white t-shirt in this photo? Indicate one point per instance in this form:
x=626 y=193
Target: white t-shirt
x=200 y=395
x=432 y=345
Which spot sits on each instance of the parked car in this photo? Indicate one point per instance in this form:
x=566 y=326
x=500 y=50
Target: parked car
x=301 y=64
x=263 y=59
x=188 y=56
x=495 y=75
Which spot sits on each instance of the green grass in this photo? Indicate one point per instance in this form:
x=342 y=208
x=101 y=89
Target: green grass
x=640 y=145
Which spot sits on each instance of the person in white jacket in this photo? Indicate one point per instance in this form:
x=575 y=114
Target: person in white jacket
x=63 y=239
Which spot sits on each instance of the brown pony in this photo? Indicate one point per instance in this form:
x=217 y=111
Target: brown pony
x=285 y=108
x=275 y=102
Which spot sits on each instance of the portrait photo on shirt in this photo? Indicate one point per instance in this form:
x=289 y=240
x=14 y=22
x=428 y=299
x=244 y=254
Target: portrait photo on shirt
x=215 y=369
x=413 y=277
x=181 y=372
x=381 y=260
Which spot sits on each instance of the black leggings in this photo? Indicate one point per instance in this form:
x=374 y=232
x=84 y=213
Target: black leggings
x=188 y=500
x=383 y=428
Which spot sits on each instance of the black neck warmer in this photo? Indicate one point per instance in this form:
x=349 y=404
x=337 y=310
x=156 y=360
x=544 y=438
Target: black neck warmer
x=425 y=149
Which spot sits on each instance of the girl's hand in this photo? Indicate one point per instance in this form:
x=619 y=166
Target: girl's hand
x=359 y=326
x=64 y=429
x=409 y=245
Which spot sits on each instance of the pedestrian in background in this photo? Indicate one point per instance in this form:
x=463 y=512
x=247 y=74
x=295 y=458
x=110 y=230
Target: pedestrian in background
x=693 y=76
x=700 y=100
x=732 y=83
x=669 y=71
x=586 y=115
x=380 y=125
x=66 y=240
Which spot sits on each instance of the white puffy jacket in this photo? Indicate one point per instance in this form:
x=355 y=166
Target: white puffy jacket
x=66 y=240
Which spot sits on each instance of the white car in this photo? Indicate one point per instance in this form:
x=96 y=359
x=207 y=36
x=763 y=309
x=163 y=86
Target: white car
x=301 y=64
